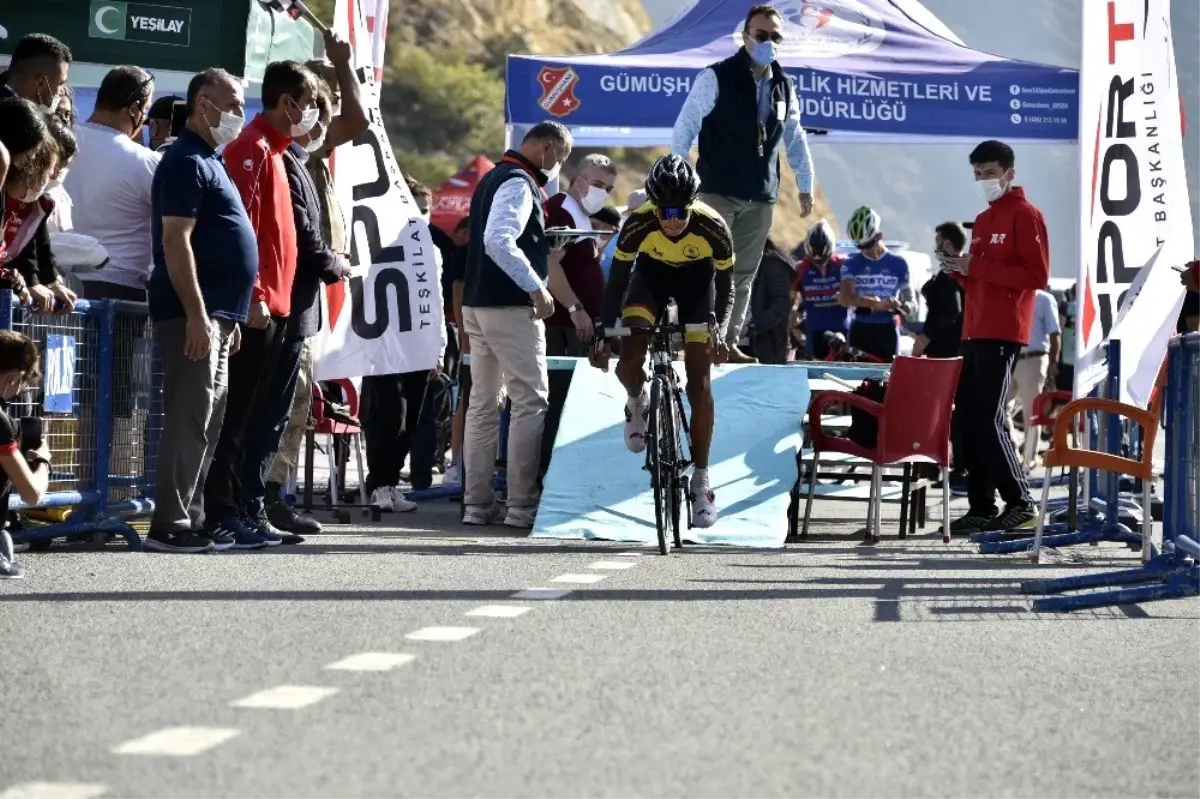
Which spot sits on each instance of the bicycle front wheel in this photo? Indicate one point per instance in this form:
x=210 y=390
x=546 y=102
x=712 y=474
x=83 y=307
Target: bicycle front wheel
x=662 y=462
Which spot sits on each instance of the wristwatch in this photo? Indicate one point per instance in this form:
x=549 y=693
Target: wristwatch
x=576 y=307
x=38 y=460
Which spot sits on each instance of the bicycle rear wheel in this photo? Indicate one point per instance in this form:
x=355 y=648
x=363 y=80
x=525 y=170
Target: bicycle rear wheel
x=662 y=463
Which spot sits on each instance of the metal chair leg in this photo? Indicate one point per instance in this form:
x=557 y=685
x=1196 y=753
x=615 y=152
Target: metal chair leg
x=1147 y=521
x=812 y=488
x=946 y=505
x=878 y=502
x=333 y=473
x=362 y=476
x=907 y=506
x=1035 y=553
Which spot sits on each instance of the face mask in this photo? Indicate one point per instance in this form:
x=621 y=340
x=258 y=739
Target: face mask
x=228 y=128
x=315 y=144
x=52 y=106
x=33 y=195
x=54 y=184
x=594 y=200
x=552 y=173
x=991 y=190
x=308 y=120
x=763 y=53
x=337 y=110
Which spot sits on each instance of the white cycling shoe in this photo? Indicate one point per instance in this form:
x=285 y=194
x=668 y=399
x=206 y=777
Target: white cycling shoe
x=637 y=420
x=704 y=508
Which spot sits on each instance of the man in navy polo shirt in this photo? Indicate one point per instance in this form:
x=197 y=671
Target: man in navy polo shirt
x=205 y=264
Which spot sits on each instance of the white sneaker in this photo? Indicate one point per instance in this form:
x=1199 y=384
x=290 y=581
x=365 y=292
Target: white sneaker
x=453 y=475
x=637 y=419
x=401 y=503
x=481 y=515
x=704 y=508
x=521 y=518
x=382 y=498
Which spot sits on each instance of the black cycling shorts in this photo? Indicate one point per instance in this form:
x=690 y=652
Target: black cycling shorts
x=653 y=283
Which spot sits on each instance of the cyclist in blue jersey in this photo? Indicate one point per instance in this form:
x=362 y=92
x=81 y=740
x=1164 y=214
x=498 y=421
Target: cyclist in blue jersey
x=819 y=281
x=875 y=285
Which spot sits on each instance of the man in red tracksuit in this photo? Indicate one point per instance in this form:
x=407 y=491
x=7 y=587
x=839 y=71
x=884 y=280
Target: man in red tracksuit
x=1007 y=264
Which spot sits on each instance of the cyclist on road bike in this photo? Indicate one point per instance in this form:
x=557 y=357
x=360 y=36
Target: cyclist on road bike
x=675 y=247
x=819 y=281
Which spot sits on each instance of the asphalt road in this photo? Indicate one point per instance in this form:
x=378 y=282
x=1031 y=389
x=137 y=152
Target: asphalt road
x=825 y=669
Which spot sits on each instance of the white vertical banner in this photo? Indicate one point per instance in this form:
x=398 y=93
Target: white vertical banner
x=1135 y=215
x=376 y=12
x=389 y=318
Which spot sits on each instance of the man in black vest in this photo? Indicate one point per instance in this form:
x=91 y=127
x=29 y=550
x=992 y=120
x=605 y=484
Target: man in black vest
x=743 y=109
x=506 y=272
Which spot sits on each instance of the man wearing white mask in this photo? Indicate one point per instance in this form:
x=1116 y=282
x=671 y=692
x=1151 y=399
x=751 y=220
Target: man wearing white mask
x=37 y=71
x=507 y=270
x=235 y=489
x=1008 y=263
x=205 y=262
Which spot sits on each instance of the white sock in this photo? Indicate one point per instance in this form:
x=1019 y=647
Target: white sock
x=641 y=400
x=700 y=480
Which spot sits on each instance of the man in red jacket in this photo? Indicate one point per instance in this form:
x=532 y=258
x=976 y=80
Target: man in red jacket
x=257 y=408
x=1007 y=264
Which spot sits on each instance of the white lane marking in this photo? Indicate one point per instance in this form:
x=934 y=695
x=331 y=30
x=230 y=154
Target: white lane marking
x=442 y=633
x=631 y=554
x=582 y=579
x=54 y=790
x=372 y=661
x=177 y=741
x=542 y=593
x=499 y=611
x=286 y=697
x=613 y=565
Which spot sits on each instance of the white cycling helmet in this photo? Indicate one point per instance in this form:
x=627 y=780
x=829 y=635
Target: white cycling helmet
x=865 y=225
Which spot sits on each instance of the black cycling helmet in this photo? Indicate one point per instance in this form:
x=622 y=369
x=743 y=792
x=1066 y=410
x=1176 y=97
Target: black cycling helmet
x=672 y=182
x=818 y=244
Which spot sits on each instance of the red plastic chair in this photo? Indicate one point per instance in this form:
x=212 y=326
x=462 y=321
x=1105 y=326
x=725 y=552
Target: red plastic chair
x=1041 y=415
x=329 y=421
x=914 y=427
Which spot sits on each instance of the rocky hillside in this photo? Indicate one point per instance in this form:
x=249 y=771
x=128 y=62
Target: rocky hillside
x=443 y=92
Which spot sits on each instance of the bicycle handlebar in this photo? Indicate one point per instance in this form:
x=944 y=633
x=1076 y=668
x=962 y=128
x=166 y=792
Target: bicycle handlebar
x=628 y=332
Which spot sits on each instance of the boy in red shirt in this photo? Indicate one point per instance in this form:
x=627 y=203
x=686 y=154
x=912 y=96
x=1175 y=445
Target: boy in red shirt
x=264 y=368
x=1007 y=264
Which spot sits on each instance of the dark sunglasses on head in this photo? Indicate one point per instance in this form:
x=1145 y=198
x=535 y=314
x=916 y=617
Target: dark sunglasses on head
x=673 y=213
x=136 y=94
x=763 y=36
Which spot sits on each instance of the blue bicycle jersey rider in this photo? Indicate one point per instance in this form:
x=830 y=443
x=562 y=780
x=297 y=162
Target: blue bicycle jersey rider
x=819 y=282
x=875 y=284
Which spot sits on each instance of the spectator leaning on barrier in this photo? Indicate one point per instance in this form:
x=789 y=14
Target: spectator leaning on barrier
x=507 y=272
x=112 y=183
x=30 y=155
x=1036 y=368
x=61 y=218
x=576 y=281
x=771 y=305
x=394 y=424
x=743 y=109
x=1007 y=264
x=262 y=374
x=37 y=71
x=25 y=464
x=316 y=263
x=159 y=121
x=205 y=262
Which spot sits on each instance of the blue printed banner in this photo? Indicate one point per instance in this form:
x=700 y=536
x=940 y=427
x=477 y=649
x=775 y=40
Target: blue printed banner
x=862 y=66
x=59 y=384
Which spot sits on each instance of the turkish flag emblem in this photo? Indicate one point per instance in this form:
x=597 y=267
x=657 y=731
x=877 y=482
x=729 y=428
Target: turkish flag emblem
x=558 y=90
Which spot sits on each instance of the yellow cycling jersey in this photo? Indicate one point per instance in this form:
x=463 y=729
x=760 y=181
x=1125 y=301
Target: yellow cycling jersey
x=705 y=237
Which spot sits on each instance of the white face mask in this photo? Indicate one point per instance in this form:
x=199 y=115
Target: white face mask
x=33 y=195
x=54 y=184
x=337 y=110
x=316 y=144
x=594 y=200
x=991 y=190
x=54 y=101
x=308 y=121
x=551 y=173
x=228 y=128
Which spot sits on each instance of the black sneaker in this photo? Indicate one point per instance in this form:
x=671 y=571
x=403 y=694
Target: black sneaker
x=221 y=539
x=970 y=524
x=182 y=543
x=284 y=517
x=1016 y=517
x=264 y=529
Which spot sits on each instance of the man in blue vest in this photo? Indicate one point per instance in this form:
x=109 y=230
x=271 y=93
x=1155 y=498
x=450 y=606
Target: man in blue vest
x=743 y=109
x=508 y=266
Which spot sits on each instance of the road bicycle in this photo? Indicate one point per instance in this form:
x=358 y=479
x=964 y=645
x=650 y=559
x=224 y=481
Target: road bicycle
x=668 y=429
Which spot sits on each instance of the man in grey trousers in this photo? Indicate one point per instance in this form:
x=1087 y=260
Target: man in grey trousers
x=205 y=265
x=744 y=110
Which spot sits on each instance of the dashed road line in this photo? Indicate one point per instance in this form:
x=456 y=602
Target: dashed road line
x=442 y=633
x=613 y=565
x=177 y=741
x=54 y=790
x=371 y=661
x=581 y=579
x=286 y=697
x=542 y=593
x=499 y=611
